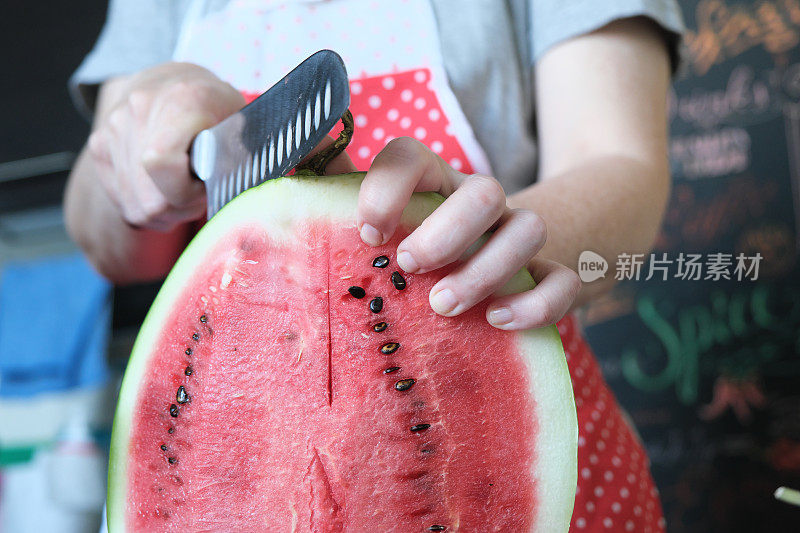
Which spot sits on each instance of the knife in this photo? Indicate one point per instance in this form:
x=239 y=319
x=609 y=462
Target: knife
x=272 y=134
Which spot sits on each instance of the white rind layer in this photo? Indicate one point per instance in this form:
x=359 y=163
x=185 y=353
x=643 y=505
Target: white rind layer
x=277 y=205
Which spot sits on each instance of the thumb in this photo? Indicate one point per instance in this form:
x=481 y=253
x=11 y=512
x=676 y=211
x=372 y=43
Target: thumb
x=166 y=157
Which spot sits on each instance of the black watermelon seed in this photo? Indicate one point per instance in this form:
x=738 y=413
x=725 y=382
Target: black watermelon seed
x=376 y=304
x=182 y=396
x=380 y=262
x=171 y=431
x=390 y=347
x=380 y=326
x=195 y=336
x=203 y=319
x=391 y=369
x=437 y=527
x=398 y=281
x=419 y=427
x=173 y=410
x=357 y=292
x=164 y=447
x=188 y=351
x=188 y=371
x=404 y=384
x=172 y=460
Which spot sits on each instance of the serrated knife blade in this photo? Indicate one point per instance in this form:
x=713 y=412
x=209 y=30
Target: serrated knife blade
x=271 y=135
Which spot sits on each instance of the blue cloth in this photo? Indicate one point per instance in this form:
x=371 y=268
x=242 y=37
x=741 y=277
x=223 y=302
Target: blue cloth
x=54 y=325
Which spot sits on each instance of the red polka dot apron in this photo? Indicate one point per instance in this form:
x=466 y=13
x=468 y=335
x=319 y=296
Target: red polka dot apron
x=399 y=88
x=615 y=490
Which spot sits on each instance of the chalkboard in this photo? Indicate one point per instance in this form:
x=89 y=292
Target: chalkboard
x=709 y=370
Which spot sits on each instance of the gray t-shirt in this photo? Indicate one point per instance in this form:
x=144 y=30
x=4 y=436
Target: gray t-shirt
x=490 y=71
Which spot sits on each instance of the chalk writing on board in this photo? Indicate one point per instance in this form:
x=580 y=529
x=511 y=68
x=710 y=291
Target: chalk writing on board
x=746 y=96
x=724 y=31
x=694 y=221
x=703 y=338
x=710 y=154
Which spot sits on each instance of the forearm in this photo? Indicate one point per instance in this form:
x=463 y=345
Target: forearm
x=118 y=251
x=604 y=178
x=610 y=205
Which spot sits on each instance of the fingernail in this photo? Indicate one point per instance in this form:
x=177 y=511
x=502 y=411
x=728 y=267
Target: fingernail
x=500 y=316
x=444 y=301
x=406 y=261
x=371 y=236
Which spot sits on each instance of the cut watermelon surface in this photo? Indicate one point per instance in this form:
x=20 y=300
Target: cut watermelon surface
x=290 y=378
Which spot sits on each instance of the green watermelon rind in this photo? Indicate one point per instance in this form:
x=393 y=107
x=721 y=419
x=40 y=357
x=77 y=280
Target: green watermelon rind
x=336 y=197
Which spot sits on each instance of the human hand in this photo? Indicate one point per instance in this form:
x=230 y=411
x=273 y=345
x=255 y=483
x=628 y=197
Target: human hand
x=141 y=140
x=474 y=205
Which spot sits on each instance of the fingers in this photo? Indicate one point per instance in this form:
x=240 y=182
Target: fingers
x=474 y=205
x=145 y=167
x=556 y=290
x=140 y=146
x=447 y=233
x=165 y=156
x=140 y=201
x=508 y=250
x=401 y=168
x=97 y=144
x=177 y=115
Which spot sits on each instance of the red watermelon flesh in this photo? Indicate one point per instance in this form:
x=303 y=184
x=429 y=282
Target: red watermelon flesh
x=270 y=396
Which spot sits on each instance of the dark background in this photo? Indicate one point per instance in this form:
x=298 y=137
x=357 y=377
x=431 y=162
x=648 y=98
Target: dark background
x=42 y=42
x=41 y=133
x=709 y=371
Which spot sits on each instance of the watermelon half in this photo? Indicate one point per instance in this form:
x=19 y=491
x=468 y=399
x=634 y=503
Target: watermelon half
x=268 y=392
